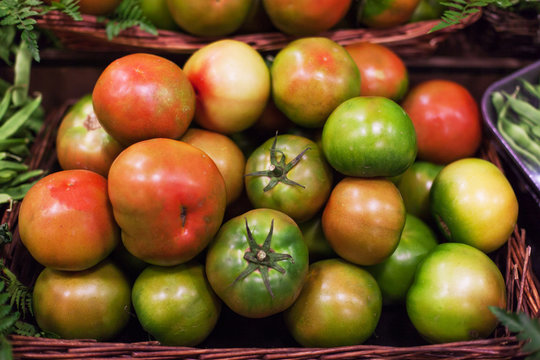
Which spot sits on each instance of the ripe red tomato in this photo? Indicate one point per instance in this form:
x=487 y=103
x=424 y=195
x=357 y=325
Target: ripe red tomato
x=382 y=71
x=452 y=290
x=446 y=119
x=257 y=263
x=209 y=17
x=175 y=304
x=384 y=14
x=305 y=17
x=227 y=156
x=81 y=141
x=66 y=220
x=363 y=219
x=90 y=304
x=143 y=96
x=271 y=181
x=168 y=198
x=340 y=304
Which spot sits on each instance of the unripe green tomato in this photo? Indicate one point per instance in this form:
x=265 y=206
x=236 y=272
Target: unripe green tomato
x=157 y=11
x=176 y=304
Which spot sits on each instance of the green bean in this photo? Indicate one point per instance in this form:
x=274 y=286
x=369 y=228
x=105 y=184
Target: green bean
x=17 y=120
x=7 y=176
x=524 y=109
x=4 y=198
x=18 y=192
x=6 y=100
x=532 y=89
x=12 y=165
x=519 y=140
x=7 y=144
x=24 y=177
x=497 y=99
x=23 y=62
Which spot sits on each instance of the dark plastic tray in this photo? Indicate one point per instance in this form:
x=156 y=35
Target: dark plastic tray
x=529 y=175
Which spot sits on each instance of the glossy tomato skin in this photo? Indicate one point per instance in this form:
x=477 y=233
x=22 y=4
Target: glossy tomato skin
x=225 y=261
x=369 y=136
x=312 y=172
x=209 y=17
x=446 y=120
x=452 y=290
x=66 y=220
x=89 y=304
x=141 y=96
x=474 y=203
x=340 y=304
x=363 y=219
x=382 y=71
x=318 y=246
x=305 y=18
x=415 y=185
x=311 y=77
x=81 y=141
x=168 y=198
x=175 y=304
x=157 y=11
x=227 y=156
x=395 y=274
x=381 y=14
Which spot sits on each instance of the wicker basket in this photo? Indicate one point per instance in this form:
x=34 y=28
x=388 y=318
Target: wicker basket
x=409 y=40
x=513 y=259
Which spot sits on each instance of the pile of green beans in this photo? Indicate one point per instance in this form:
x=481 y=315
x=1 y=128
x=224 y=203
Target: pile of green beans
x=21 y=117
x=518 y=120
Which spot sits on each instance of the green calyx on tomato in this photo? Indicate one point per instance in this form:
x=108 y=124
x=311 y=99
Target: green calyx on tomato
x=278 y=168
x=262 y=257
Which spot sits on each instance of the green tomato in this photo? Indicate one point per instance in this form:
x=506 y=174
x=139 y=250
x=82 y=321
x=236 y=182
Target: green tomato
x=176 y=304
x=395 y=274
x=369 y=136
x=288 y=173
x=157 y=11
x=258 y=262
x=427 y=10
x=474 y=203
x=340 y=304
x=317 y=244
x=415 y=185
x=453 y=287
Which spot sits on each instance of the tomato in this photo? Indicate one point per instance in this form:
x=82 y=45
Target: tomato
x=340 y=304
x=66 y=220
x=142 y=96
x=452 y=289
x=157 y=11
x=257 y=20
x=209 y=17
x=288 y=173
x=81 y=141
x=427 y=10
x=175 y=304
x=369 y=136
x=363 y=219
x=395 y=274
x=415 y=185
x=311 y=77
x=385 y=13
x=318 y=246
x=227 y=156
x=89 y=304
x=98 y=7
x=257 y=263
x=232 y=83
x=474 y=203
x=446 y=120
x=305 y=18
x=382 y=71
x=169 y=199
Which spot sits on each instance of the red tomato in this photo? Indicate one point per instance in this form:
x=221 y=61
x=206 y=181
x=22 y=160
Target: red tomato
x=168 y=198
x=305 y=17
x=382 y=71
x=143 y=96
x=227 y=156
x=446 y=119
x=66 y=220
x=90 y=304
x=81 y=141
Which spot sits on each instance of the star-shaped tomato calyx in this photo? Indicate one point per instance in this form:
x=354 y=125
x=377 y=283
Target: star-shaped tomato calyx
x=262 y=257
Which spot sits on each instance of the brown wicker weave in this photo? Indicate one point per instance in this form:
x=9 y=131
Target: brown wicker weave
x=407 y=40
x=513 y=260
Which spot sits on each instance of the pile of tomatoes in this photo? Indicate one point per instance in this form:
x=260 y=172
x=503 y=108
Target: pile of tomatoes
x=314 y=184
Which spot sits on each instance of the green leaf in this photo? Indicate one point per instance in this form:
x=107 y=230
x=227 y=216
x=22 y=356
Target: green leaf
x=526 y=328
x=128 y=14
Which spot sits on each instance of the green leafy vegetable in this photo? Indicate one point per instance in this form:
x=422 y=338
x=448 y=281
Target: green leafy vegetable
x=526 y=328
x=128 y=14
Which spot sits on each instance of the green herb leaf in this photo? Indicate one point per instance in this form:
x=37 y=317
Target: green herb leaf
x=526 y=329
x=128 y=14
